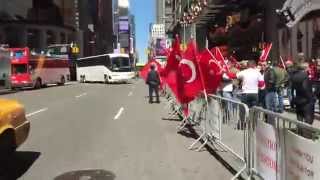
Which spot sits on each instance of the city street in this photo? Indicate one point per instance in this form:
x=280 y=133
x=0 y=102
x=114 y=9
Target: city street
x=99 y=131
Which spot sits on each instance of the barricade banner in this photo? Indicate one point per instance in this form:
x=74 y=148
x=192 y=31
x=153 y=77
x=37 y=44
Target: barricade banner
x=214 y=116
x=302 y=158
x=266 y=151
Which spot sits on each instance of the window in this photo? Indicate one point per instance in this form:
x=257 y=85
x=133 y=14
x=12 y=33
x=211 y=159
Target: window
x=121 y=64
x=33 y=37
x=51 y=39
x=63 y=38
x=19 y=68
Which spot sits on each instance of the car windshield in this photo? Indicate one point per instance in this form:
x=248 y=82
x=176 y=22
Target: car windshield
x=19 y=68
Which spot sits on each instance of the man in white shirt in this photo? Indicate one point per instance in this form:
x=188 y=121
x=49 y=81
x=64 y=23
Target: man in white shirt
x=251 y=79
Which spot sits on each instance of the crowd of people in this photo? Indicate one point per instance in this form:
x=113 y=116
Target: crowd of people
x=267 y=83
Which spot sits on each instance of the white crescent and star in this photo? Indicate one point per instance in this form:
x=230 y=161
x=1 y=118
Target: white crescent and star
x=191 y=65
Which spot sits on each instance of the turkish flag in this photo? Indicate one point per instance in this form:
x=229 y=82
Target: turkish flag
x=211 y=71
x=146 y=69
x=173 y=58
x=218 y=56
x=265 y=52
x=189 y=78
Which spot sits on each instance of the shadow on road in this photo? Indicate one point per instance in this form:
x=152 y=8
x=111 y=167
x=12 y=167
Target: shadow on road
x=97 y=174
x=19 y=164
x=189 y=132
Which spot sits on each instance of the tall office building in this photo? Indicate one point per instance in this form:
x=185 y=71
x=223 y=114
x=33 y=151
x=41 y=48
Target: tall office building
x=36 y=23
x=122 y=26
x=96 y=22
x=160 y=11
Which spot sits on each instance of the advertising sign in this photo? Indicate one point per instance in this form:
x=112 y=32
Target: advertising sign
x=123 y=24
x=302 y=158
x=160 y=47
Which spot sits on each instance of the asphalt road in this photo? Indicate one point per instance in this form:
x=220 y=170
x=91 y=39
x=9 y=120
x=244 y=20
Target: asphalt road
x=105 y=132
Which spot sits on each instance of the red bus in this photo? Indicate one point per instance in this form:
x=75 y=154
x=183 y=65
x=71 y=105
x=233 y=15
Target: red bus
x=20 y=76
x=37 y=70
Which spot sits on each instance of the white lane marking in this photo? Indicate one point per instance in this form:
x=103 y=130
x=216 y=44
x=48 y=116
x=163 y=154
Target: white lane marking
x=24 y=123
x=119 y=113
x=36 y=112
x=130 y=94
x=80 y=95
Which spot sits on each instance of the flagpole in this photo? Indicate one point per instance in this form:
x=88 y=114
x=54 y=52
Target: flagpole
x=215 y=60
x=283 y=64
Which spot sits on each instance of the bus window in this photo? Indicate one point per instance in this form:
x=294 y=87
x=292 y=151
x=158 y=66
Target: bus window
x=121 y=64
x=19 y=68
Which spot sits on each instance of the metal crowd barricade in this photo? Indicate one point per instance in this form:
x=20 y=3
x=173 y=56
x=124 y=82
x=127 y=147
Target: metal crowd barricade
x=226 y=124
x=282 y=148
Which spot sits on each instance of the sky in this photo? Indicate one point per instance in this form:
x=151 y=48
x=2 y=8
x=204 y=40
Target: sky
x=144 y=11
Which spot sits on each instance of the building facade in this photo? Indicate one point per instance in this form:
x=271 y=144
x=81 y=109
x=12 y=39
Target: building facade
x=245 y=25
x=124 y=28
x=36 y=24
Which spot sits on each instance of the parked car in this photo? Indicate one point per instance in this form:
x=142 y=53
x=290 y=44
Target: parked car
x=14 y=129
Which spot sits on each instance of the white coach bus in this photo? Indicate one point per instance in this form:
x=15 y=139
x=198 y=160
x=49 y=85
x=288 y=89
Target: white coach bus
x=107 y=68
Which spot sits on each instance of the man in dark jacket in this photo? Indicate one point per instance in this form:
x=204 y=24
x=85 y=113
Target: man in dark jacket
x=302 y=94
x=271 y=90
x=153 y=80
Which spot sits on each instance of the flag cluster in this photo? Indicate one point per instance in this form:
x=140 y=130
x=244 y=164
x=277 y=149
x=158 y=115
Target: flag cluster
x=189 y=73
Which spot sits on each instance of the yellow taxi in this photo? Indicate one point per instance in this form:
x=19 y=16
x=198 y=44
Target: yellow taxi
x=14 y=127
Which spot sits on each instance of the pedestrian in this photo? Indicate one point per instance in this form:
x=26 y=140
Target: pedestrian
x=282 y=79
x=271 y=91
x=290 y=69
x=302 y=94
x=153 y=81
x=251 y=79
x=262 y=90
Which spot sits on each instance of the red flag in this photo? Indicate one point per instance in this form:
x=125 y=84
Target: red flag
x=218 y=56
x=173 y=58
x=146 y=69
x=189 y=82
x=265 y=52
x=211 y=71
x=235 y=62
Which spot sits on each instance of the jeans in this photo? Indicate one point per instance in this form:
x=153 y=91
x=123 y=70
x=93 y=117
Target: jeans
x=151 y=90
x=250 y=99
x=305 y=113
x=280 y=107
x=271 y=100
x=289 y=94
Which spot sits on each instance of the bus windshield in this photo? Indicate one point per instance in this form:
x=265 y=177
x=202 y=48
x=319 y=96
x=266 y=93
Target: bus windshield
x=19 y=68
x=18 y=54
x=120 y=64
